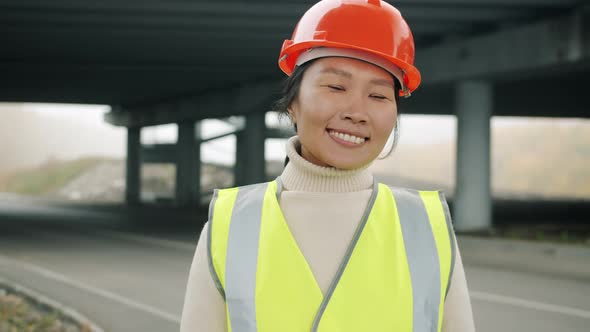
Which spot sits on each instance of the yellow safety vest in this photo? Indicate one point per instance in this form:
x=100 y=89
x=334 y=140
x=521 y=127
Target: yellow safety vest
x=394 y=276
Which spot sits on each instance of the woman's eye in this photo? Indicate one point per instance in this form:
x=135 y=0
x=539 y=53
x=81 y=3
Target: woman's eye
x=378 y=97
x=336 y=87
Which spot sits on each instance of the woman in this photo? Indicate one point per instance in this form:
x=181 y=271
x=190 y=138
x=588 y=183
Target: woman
x=324 y=247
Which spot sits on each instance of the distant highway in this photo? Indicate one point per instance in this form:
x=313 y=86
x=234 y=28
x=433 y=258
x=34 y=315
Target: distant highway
x=129 y=278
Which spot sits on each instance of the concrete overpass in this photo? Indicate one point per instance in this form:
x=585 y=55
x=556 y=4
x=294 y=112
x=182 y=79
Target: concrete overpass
x=158 y=62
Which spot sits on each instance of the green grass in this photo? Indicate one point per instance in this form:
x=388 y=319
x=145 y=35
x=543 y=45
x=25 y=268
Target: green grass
x=46 y=178
x=16 y=314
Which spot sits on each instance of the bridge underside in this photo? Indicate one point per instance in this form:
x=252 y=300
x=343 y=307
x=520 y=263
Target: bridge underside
x=177 y=62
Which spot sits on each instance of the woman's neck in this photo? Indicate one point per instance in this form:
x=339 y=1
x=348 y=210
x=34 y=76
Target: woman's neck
x=301 y=175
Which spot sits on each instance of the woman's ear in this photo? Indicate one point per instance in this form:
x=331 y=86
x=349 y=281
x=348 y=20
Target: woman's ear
x=293 y=117
x=292 y=114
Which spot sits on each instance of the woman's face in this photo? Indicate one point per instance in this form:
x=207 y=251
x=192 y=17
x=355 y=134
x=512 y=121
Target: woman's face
x=345 y=112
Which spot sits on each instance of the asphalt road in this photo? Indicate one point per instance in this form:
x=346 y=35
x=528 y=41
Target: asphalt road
x=127 y=270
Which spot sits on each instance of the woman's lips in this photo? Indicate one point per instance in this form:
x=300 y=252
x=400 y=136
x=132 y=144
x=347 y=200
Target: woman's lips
x=346 y=138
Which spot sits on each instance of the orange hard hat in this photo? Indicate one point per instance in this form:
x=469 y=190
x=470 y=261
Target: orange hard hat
x=370 y=30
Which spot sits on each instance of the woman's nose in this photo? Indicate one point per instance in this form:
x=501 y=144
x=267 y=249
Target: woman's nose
x=355 y=112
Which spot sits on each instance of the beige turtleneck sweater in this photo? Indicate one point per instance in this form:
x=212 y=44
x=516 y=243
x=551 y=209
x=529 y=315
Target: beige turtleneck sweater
x=336 y=199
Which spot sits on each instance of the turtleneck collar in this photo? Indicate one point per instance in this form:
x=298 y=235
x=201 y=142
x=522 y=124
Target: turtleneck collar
x=301 y=175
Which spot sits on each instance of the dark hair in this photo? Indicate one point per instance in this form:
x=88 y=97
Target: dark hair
x=291 y=88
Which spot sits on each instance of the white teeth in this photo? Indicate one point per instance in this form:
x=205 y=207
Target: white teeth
x=347 y=137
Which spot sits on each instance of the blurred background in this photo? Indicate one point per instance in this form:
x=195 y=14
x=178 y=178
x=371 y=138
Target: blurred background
x=119 y=118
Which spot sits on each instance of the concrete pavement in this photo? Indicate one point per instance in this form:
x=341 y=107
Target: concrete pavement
x=129 y=276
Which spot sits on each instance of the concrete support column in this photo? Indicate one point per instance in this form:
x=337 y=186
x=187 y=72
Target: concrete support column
x=473 y=202
x=133 y=166
x=250 y=164
x=241 y=155
x=188 y=164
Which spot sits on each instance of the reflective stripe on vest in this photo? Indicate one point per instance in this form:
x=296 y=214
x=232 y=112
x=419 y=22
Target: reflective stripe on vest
x=394 y=276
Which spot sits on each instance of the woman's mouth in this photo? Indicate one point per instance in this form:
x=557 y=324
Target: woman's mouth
x=356 y=140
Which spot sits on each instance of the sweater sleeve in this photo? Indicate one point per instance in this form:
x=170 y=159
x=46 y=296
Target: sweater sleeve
x=458 y=316
x=204 y=308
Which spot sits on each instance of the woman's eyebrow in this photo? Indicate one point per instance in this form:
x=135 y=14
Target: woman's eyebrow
x=332 y=70
x=384 y=82
x=376 y=81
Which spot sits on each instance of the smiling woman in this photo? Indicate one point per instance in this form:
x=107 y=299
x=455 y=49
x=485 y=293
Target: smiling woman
x=348 y=113
x=324 y=247
x=344 y=116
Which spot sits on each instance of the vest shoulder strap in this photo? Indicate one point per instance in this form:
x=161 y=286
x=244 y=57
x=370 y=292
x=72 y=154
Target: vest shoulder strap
x=212 y=270
x=221 y=210
x=437 y=209
x=452 y=238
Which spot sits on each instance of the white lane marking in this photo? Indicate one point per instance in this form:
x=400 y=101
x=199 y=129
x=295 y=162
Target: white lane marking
x=477 y=295
x=91 y=289
x=514 y=301
x=173 y=244
x=149 y=240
